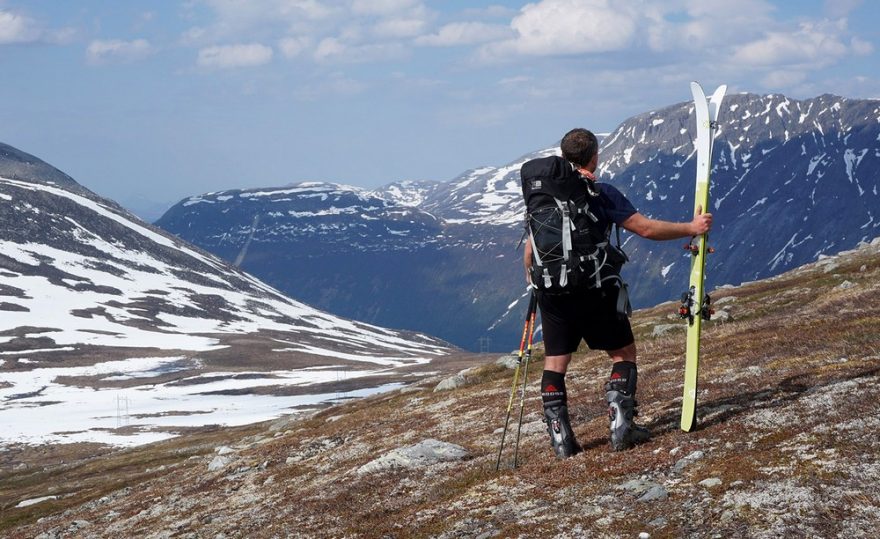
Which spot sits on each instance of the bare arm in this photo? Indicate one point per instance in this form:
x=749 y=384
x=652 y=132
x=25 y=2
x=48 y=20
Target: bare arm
x=655 y=229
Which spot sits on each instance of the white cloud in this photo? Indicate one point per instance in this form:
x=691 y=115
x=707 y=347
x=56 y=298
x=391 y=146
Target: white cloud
x=15 y=28
x=101 y=52
x=400 y=27
x=713 y=24
x=382 y=7
x=233 y=19
x=291 y=47
x=465 y=33
x=781 y=79
x=553 y=27
x=234 y=56
x=815 y=44
x=335 y=50
x=860 y=46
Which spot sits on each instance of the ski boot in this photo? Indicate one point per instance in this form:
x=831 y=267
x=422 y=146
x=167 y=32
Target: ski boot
x=620 y=395
x=559 y=428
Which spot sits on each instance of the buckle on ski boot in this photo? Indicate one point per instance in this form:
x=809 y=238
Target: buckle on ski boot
x=559 y=427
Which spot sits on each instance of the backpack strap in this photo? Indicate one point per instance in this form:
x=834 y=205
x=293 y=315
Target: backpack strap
x=567 y=226
x=545 y=274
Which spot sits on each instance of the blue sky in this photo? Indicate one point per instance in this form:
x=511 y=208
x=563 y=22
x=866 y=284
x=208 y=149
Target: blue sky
x=160 y=100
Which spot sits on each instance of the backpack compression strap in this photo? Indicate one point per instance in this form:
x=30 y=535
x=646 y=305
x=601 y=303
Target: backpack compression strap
x=567 y=226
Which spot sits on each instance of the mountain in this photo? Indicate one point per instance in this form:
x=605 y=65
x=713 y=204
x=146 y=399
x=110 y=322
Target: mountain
x=792 y=180
x=99 y=305
x=18 y=165
x=786 y=445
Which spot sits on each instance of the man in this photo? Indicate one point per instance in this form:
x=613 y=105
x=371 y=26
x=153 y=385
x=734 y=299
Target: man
x=592 y=314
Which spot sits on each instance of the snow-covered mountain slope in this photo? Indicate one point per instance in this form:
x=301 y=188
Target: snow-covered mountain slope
x=792 y=180
x=114 y=331
x=83 y=273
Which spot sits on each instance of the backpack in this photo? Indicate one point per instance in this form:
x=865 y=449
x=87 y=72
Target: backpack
x=571 y=249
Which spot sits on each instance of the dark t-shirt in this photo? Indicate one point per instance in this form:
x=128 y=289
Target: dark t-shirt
x=611 y=206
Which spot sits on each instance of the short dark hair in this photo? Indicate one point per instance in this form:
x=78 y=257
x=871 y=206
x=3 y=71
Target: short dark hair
x=579 y=146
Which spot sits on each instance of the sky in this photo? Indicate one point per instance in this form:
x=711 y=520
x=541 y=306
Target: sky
x=150 y=102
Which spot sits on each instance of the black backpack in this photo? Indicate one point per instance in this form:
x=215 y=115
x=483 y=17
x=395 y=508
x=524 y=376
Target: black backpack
x=571 y=249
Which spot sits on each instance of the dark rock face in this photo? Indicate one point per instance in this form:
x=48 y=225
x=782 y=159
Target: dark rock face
x=791 y=180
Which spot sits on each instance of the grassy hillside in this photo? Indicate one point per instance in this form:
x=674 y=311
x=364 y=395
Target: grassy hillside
x=786 y=445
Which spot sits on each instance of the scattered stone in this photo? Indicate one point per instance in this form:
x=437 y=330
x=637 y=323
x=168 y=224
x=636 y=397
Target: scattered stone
x=644 y=535
x=645 y=490
x=461 y=379
x=658 y=522
x=725 y=299
x=453 y=382
x=77 y=525
x=219 y=463
x=863 y=268
x=830 y=266
x=224 y=450
x=663 y=329
x=722 y=315
x=656 y=492
x=509 y=361
x=710 y=482
x=424 y=453
x=687 y=461
x=845 y=285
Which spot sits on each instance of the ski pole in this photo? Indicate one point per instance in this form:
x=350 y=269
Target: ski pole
x=525 y=378
x=522 y=347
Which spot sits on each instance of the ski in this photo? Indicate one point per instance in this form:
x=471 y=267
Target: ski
x=695 y=304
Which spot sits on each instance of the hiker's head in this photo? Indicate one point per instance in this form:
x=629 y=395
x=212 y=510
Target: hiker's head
x=580 y=147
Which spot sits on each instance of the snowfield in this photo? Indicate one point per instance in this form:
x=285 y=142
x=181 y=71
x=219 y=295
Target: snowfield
x=92 y=278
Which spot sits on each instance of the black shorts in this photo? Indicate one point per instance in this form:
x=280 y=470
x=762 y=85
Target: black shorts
x=589 y=314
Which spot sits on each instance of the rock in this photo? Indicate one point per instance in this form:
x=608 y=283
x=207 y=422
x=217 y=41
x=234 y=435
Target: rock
x=77 y=525
x=725 y=299
x=224 y=450
x=656 y=492
x=722 y=316
x=219 y=463
x=663 y=329
x=863 y=268
x=710 y=482
x=830 y=266
x=645 y=490
x=453 y=382
x=509 y=361
x=424 y=453
x=687 y=461
x=658 y=522
x=845 y=285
